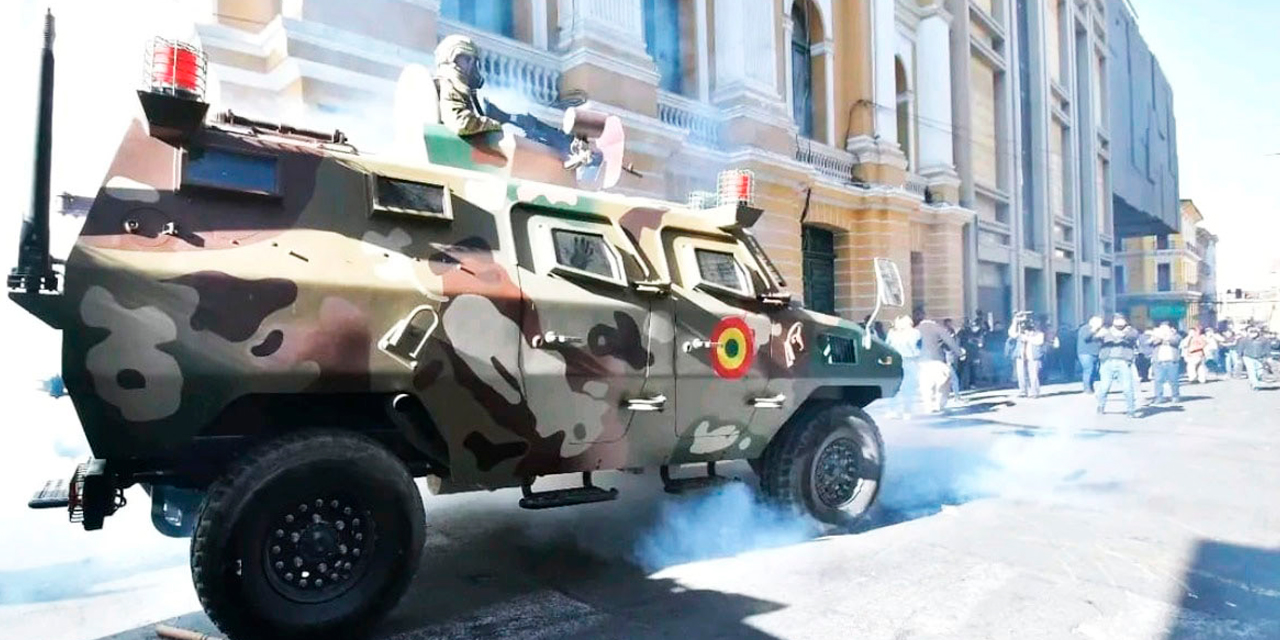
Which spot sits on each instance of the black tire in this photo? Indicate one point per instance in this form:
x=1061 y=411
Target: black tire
x=370 y=561
x=807 y=466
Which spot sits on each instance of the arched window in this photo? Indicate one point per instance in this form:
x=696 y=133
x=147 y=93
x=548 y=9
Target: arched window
x=662 y=41
x=903 y=91
x=801 y=70
x=494 y=16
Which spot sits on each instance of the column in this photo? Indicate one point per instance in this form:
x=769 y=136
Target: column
x=829 y=80
x=883 y=36
x=618 y=24
x=704 y=69
x=933 y=92
x=604 y=53
x=538 y=15
x=789 y=94
x=746 y=51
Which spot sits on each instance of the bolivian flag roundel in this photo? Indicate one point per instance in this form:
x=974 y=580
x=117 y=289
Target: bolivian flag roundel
x=734 y=348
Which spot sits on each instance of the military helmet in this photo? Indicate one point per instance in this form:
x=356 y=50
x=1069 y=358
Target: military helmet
x=447 y=53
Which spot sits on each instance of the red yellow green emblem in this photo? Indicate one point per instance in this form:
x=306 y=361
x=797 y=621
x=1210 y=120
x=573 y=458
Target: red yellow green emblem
x=734 y=348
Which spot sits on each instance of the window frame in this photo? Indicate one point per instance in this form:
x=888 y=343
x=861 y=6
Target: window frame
x=542 y=243
x=690 y=272
x=376 y=207
x=186 y=182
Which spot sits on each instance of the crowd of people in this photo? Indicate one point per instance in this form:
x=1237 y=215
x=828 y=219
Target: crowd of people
x=940 y=362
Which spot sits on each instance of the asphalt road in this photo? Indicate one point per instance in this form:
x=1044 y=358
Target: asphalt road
x=1015 y=519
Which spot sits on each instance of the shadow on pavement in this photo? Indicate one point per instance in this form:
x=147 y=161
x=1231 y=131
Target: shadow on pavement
x=1156 y=409
x=1232 y=591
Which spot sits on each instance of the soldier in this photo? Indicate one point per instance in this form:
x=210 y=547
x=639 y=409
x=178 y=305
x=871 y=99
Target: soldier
x=457 y=80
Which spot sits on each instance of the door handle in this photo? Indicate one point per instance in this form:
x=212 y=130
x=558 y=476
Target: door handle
x=652 y=403
x=886 y=360
x=692 y=345
x=768 y=402
x=551 y=340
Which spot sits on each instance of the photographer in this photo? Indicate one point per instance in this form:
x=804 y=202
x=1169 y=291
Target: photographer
x=1028 y=345
x=1119 y=345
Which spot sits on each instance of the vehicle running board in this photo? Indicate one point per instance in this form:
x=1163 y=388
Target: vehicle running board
x=585 y=494
x=695 y=483
x=56 y=494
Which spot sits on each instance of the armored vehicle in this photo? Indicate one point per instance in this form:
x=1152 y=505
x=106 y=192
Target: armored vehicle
x=274 y=333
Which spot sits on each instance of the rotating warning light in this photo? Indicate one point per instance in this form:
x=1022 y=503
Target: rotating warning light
x=733 y=348
x=176 y=68
x=736 y=187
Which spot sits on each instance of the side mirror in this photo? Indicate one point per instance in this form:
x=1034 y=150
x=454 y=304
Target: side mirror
x=889 y=293
x=889 y=284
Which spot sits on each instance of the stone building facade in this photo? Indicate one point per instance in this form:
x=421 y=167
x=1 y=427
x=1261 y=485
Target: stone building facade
x=875 y=128
x=1033 y=159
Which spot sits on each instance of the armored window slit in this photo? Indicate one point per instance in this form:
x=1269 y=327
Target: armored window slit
x=231 y=171
x=406 y=197
x=837 y=349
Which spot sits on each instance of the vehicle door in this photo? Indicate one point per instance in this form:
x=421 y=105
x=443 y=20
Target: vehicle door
x=587 y=358
x=722 y=339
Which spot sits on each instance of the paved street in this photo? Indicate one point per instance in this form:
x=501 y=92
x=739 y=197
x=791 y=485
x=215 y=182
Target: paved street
x=1034 y=519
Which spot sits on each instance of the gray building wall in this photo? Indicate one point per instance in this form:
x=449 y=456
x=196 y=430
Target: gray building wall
x=1064 y=279
x=1144 y=149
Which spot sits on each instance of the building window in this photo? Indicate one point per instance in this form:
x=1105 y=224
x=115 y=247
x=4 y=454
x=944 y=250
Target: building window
x=662 y=41
x=495 y=16
x=903 y=90
x=801 y=70
x=1164 y=280
x=819 y=249
x=1162 y=242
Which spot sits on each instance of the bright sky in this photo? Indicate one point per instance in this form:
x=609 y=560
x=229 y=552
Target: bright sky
x=1219 y=56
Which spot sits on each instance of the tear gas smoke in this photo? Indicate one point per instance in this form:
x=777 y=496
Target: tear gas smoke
x=725 y=521
x=1020 y=463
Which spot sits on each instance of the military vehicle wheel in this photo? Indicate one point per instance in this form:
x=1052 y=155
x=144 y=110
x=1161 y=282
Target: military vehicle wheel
x=314 y=535
x=826 y=463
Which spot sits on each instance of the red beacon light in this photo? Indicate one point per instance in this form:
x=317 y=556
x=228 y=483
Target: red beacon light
x=176 y=68
x=736 y=187
x=173 y=89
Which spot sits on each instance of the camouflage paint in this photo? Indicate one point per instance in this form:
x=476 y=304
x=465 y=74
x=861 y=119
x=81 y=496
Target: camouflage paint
x=183 y=301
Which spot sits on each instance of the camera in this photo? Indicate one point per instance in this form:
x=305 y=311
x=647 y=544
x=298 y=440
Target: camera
x=1023 y=321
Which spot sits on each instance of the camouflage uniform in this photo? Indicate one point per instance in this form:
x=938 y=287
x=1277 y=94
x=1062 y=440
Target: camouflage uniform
x=459 y=107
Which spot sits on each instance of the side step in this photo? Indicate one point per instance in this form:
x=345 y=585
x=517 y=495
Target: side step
x=585 y=494
x=56 y=494
x=695 y=483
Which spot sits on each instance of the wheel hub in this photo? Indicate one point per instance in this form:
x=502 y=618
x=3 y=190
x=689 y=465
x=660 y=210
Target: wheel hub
x=315 y=548
x=836 y=475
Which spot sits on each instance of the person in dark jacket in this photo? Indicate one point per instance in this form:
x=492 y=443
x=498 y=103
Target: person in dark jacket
x=1254 y=350
x=1119 y=345
x=1087 y=348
